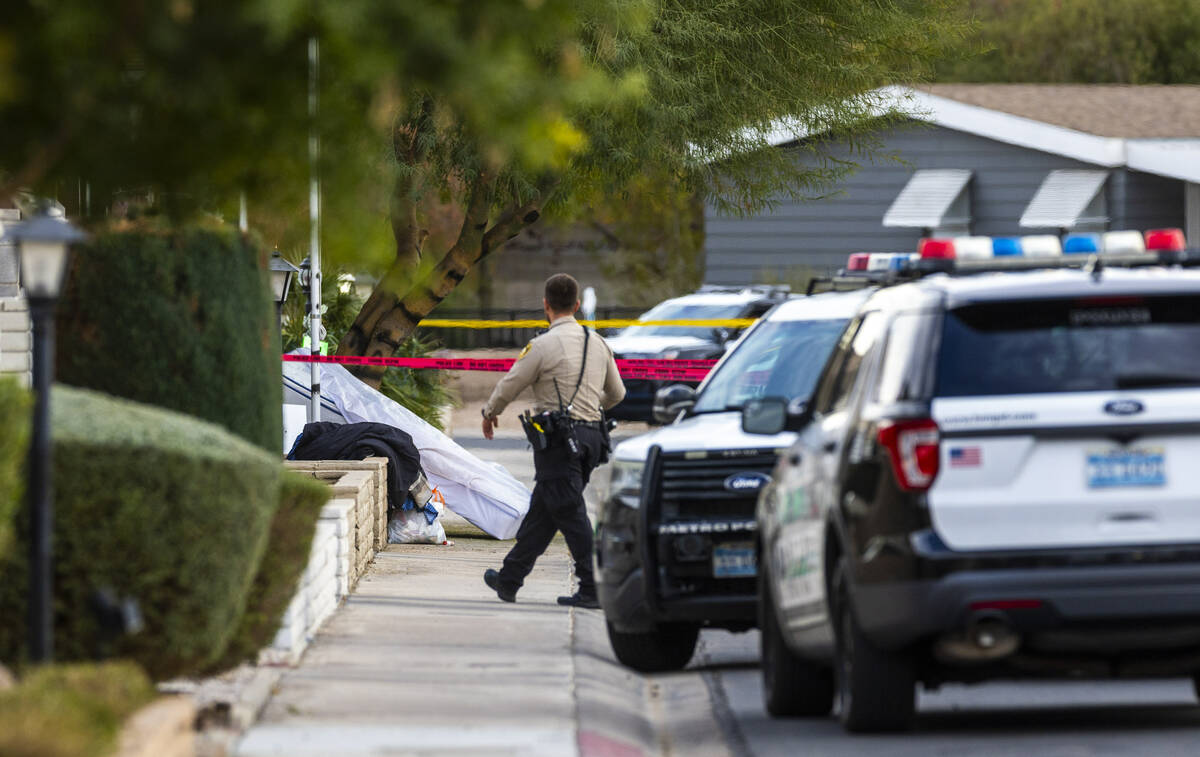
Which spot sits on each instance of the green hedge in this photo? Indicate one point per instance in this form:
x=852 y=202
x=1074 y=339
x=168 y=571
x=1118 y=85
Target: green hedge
x=71 y=710
x=180 y=319
x=14 y=441
x=160 y=507
x=288 y=547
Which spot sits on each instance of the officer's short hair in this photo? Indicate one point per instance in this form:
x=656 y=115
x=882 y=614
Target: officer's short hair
x=562 y=292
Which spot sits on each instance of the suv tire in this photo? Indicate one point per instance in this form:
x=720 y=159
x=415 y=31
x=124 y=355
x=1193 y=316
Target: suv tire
x=792 y=685
x=668 y=647
x=876 y=688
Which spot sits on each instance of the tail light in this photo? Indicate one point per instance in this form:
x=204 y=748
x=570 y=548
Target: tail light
x=912 y=446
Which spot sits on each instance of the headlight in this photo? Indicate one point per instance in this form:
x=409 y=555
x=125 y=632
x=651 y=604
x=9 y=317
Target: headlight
x=625 y=484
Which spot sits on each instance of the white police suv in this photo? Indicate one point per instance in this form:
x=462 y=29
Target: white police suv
x=676 y=531
x=997 y=476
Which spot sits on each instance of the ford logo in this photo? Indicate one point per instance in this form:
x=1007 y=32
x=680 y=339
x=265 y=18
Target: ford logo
x=747 y=482
x=1123 y=407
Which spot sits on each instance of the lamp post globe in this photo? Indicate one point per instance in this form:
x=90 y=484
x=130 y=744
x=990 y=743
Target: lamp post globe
x=282 y=275
x=42 y=245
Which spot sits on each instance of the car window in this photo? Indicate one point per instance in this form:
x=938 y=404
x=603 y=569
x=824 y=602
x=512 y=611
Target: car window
x=1075 y=345
x=905 y=373
x=852 y=356
x=777 y=359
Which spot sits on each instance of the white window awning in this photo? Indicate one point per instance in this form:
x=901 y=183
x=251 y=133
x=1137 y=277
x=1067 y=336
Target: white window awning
x=933 y=199
x=1068 y=199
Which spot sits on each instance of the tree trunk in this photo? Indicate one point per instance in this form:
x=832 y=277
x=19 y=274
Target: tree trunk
x=389 y=318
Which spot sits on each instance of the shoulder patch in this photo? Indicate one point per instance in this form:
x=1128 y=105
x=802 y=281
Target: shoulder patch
x=525 y=351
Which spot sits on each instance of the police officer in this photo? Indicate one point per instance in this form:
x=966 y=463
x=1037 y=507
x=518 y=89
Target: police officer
x=553 y=364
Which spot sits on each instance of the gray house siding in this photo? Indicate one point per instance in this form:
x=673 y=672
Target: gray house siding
x=797 y=238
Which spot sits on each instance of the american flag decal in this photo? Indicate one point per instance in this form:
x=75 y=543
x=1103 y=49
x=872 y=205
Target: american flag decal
x=965 y=457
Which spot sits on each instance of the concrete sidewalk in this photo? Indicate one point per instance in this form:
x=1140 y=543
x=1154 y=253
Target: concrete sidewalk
x=423 y=658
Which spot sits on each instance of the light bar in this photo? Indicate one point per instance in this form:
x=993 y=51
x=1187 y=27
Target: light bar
x=1165 y=239
x=1123 y=241
x=1077 y=243
x=1004 y=246
x=972 y=248
x=1041 y=246
x=858 y=261
x=936 y=248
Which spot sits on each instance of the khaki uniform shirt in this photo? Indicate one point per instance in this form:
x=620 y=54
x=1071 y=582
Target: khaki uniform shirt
x=557 y=356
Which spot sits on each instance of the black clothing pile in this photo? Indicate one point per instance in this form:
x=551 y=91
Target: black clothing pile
x=357 y=441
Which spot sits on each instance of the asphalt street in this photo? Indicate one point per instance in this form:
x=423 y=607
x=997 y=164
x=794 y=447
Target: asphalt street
x=1053 y=719
x=1047 y=719
x=422 y=660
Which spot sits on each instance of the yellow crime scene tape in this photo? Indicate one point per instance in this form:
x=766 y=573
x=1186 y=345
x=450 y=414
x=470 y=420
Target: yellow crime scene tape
x=610 y=323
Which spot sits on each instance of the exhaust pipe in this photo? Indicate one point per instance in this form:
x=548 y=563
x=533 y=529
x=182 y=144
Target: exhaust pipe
x=988 y=637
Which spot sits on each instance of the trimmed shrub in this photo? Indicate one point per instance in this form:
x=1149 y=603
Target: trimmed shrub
x=180 y=319
x=156 y=506
x=288 y=547
x=14 y=441
x=71 y=710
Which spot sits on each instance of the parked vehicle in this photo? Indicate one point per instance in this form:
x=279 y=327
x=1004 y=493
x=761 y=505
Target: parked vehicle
x=685 y=342
x=675 y=533
x=995 y=477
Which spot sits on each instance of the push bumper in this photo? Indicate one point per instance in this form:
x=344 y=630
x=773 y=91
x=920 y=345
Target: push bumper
x=628 y=607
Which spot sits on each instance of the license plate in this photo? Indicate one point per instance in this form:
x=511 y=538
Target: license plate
x=734 y=560
x=1126 y=467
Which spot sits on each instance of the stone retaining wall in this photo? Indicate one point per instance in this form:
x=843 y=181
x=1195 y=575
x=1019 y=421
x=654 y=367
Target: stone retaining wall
x=352 y=528
x=15 y=339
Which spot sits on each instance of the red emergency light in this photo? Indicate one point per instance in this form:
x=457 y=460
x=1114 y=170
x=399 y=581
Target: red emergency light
x=1165 y=239
x=858 y=261
x=936 y=248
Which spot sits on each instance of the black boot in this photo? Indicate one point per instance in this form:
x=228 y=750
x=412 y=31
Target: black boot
x=579 y=599
x=492 y=579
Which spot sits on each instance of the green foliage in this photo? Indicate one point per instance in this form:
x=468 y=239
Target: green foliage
x=423 y=392
x=155 y=506
x=288 y=544
x=651 y=241
x=183 y=320
x=1084 y=41
x=14 y=446
x=198 y=101
x=71 y=710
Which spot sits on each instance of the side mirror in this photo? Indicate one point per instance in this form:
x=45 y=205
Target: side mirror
x=768 y=415
x=671 y=400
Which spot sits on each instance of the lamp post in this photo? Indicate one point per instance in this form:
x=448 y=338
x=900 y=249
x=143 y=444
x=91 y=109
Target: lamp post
x=310 y=280
x=42 y=248
x=282 y=273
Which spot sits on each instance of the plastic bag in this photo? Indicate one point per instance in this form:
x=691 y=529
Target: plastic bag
x=419 y=525
x=412 y=527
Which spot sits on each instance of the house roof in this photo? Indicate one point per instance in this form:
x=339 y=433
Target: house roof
x=1104 y=110
x=1105 y=125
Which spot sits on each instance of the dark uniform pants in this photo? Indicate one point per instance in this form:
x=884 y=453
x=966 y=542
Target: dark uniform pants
x=557 y=505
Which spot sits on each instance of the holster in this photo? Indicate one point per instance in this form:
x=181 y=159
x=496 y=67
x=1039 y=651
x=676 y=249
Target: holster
x=535 y=430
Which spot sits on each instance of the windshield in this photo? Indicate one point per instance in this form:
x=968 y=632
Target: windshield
x=1080 y=345
x=675 y=311
x=778 y=359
